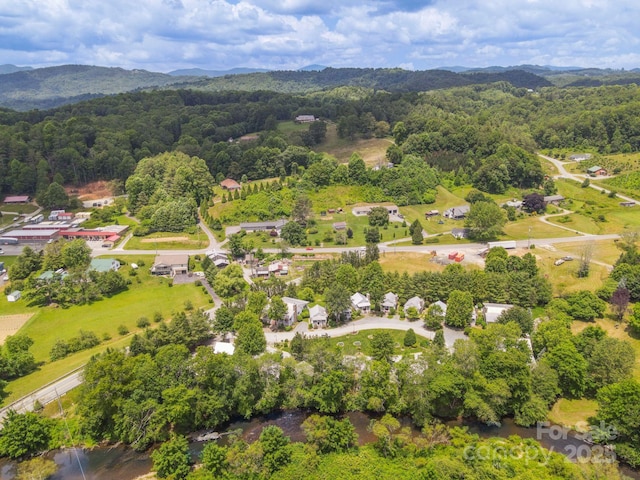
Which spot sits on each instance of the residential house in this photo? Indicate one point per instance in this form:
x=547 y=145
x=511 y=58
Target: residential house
x=230 y=184
x=365 y=209
x=54 y=215
x=390 y=301
x=339 y=225
x=279 y=268
x=175 y=264
x=578 y=157
x=513 y=203
x=305 y=118
x=268 y=226
x=262 y=272
x=459 y=233
x=596 y=171
x=295 y=307
x=553 y=199
x=318 y=316
x=220 y=260
x=416 y=302
x=492 y=311
x=442 y=305
x=104 y=264
x=361 y=302
x=431 y=213
x=457 y=213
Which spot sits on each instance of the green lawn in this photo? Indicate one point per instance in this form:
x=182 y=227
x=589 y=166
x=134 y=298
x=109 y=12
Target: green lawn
x=372 y=150
x=364 y=337
x=151 y=294
x=25 y=208
x=169 y=241
x=532 y=227
x=409 y=262
x=572 y=413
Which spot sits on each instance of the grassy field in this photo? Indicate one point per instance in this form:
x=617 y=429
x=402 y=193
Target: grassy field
x=408 y=262
x=532 y=227
x=372 y=150
x=142 y=299
x=364 y=337
x=25 y=208
x=169 y=241
x=572 y=413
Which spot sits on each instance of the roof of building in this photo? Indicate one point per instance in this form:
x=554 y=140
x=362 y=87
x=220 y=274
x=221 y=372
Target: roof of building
x=295 y=301
x=16 y=198
x=441 y=304
x=224 y=347
x=268 y=224
x=553 y=198
x=416 y=302
x=493 y=310
x=460 y=210
x=30 y=233
x=594 y=169
x=103 y=264
x=340 y=225
x=390 y=299
x=229 y=183
x=172 y=259
x=360 y=300
x=317 y=312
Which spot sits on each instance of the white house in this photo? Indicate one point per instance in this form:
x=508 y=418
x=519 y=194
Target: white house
x=389 y=301
x=318 y=316
x=416 y=302
x=361 y=302
x=492 y=311
x=442 y=305
x=294 y=308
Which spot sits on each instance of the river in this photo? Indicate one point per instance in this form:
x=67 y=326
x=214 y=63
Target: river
x=107 y=463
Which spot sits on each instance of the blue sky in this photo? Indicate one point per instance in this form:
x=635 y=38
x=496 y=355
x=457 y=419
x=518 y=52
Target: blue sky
x=163 y=35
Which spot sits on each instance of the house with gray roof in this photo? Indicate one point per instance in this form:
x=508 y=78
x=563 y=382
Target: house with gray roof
x=390 y=301
x=318 y=316
x=457 y=213
x=266 y=226
x=361 y=302
x=415 y=302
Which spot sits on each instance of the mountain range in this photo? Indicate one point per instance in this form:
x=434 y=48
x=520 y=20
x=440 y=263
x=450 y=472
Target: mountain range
x=27 y=88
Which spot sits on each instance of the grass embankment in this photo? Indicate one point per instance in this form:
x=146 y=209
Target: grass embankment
x=22 y=208
x=169 y=241
x=360 y=342
x=372 y=150
x=595 y=212
x=146 y=294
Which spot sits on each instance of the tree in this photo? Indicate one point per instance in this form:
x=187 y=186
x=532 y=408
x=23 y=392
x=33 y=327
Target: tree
x=571 y=367
x=230 y=283
x=410 y=338
x=23 y=434
x=294 y=233
x=533 y=202
x=37 y=468
x=584 y=263
x=277 y=309
x=76 y=255
x=382 y=345
x=518 y=315
x=372 y=235
x=329 y=434
x=620 y=301
x=378 y=217
x=619 y=405
x=251 y=339
x=585 y=305
x=459 y=309
x=302 y=209
x=54 y=197
x=276 y=448
x=338 y=301
x=214 y=459
x=611 y=361
x=171 y=459
x=223 y=322
x=28 y=261
x=485 y=220
x=416 y=232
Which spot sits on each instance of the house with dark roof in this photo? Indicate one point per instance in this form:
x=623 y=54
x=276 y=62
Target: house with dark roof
x=266 y=226
x=459 y=233
x=457 y=213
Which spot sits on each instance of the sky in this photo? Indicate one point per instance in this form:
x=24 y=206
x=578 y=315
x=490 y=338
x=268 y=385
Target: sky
x=165 y=35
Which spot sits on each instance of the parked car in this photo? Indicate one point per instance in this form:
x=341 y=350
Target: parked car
x=568 y=258
x=560 y=261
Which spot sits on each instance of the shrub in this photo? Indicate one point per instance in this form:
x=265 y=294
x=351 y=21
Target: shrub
x=106 y=337
x=143 y=322
x=157 y=317
x=198 y=283
x=188 y=305
x=123 y=330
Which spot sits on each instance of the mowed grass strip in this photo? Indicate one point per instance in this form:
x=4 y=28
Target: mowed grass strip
x=169 y=241
x=364 y=339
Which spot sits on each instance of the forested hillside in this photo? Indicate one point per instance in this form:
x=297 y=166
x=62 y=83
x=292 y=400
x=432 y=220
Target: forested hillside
x=466 y=131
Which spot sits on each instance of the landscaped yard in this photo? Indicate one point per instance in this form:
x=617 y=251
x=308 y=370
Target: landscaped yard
x=146 y=294
x=169 y=241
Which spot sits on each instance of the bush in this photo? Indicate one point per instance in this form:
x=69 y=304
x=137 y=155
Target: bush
x=157 y=317
x=140 y=263
x=106 y=337
x=188 y=305
x=143 y=322
x=123 y=330
x=432 y=240
x=198 y=283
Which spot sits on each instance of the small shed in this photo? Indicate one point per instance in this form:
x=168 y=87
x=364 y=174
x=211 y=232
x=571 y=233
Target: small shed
x=14 y=296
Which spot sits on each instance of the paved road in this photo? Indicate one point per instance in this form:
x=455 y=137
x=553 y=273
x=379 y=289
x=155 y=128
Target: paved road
x=46 y=394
